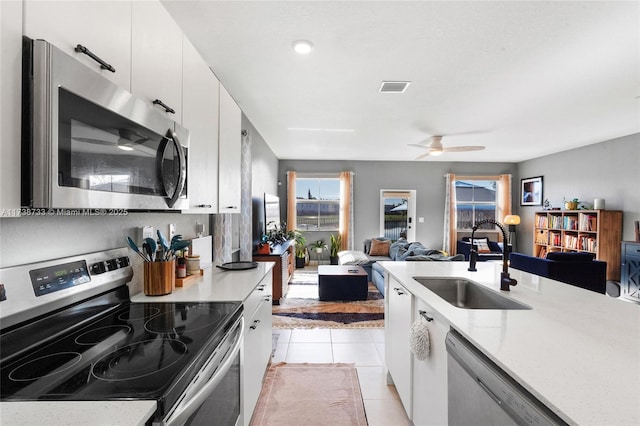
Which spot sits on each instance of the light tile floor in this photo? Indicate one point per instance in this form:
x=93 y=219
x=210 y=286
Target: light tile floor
x=362 y=347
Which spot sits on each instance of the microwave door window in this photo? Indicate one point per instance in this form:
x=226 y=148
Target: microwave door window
x=99 y=150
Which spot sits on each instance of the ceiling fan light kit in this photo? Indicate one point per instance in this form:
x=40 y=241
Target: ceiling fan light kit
x=435 y=147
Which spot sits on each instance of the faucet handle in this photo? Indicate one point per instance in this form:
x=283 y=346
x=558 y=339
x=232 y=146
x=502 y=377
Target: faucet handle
x=473 y=258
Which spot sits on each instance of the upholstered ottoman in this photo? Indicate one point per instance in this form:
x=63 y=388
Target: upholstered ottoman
x=342 y=282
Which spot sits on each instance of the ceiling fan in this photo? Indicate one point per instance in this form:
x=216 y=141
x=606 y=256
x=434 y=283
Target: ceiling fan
x=434 y=147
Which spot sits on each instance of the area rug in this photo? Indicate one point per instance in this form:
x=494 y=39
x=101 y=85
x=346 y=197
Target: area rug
x=310 y=395
x=312 y=313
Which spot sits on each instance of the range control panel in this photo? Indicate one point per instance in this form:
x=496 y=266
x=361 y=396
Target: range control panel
x=58 y=277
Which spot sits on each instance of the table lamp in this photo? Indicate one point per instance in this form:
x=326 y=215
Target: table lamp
x=512 y=220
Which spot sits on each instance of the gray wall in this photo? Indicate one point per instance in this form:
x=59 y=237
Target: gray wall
x=35 y=238
x=264 y=176
x=606 y=170
x=427 y=178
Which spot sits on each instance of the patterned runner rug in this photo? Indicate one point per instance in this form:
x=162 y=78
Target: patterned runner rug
x=302 y=309
x=311 y=395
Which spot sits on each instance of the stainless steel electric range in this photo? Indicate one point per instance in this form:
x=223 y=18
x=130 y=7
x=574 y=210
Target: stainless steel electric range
x=70 y=333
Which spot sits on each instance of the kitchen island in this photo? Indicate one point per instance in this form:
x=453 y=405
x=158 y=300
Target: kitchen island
x=214 y=286
x=576 y=351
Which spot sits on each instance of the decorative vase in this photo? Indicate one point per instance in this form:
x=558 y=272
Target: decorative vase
x=318 y=250
x=334 y=260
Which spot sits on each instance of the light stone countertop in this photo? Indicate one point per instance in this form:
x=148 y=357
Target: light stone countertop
x=214 y=285
x=577 y=351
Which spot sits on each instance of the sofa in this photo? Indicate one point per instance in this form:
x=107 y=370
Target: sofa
x=487 y=249
x=577 y=269
x=400 y=250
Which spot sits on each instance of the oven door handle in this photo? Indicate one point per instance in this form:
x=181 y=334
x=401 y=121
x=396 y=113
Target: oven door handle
x=188 y=407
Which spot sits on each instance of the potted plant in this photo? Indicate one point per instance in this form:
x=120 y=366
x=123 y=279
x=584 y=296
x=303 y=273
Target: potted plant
x=280 y=235
x=318 y=246
x=301 y=249
x=336 y=242
x=571 y=204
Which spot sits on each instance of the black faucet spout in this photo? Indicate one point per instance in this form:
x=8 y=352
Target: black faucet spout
x=505 y=280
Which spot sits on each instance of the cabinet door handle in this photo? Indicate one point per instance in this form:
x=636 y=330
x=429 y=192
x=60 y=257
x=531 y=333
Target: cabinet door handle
x=231 y=207
x=424 y=315
x=166 y=107
x=204 y=206
x=267 y=299
x=254 y=325
x=103 y=65
x=260 y=287
x=400 y=292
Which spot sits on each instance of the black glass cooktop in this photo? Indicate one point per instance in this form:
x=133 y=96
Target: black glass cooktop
x=136 y=351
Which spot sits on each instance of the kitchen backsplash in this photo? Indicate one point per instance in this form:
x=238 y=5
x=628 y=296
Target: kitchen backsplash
x=29 y=239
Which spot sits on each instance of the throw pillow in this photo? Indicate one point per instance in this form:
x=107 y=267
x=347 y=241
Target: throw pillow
x=482 y=244
x=379 y=247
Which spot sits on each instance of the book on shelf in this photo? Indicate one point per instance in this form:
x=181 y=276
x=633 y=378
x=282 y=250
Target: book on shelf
x=589 y=222
x=542 y=252
x=541 y=221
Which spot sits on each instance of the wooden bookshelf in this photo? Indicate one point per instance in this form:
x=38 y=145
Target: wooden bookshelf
x=592 y=231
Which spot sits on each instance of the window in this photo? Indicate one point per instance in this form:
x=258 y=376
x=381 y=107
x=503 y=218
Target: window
x=317 y=204
x=476 y=200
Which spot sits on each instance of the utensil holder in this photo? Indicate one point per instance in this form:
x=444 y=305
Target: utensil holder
x=159 y=277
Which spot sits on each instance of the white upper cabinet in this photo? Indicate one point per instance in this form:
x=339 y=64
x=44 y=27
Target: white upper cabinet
x=200 y=92
x=229 y=163
x=10 y=80
x=156 y=56
x=103 y=27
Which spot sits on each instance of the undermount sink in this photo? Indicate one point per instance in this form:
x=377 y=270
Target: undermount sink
x=463 y=293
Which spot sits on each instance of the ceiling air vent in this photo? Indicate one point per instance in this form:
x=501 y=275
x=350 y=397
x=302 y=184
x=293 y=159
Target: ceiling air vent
x=394 y=86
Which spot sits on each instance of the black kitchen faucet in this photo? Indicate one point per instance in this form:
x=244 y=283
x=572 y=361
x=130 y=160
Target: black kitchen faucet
x=505 y=280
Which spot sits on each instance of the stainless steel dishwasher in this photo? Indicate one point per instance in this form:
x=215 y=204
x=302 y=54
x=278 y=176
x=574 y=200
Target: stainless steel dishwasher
x=480 y=393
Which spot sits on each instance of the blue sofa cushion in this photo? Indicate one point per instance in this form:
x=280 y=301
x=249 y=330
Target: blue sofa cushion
x=587 y=274
x=570 y=257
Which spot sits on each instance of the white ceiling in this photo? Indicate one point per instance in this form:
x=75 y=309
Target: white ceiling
x=525 y=79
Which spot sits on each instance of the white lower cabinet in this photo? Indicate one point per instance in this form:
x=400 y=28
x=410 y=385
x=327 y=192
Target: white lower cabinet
x=398 y=320
x=430 y=375
x=256 y=348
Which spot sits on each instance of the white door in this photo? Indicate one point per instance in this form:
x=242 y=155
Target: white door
x=398 y=213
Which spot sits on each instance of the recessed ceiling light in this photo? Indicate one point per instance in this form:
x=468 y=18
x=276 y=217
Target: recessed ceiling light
x=394 y=86
x=302 y=46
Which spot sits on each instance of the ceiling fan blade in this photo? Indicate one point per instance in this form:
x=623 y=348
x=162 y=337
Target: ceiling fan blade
x=418 y=145
x=463 y=148
x=421 y=156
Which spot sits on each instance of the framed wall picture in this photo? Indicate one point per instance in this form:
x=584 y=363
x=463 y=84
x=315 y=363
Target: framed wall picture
x=531 y=191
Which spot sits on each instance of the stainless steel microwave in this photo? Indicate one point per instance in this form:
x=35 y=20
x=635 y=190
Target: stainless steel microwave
x=88 y=143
